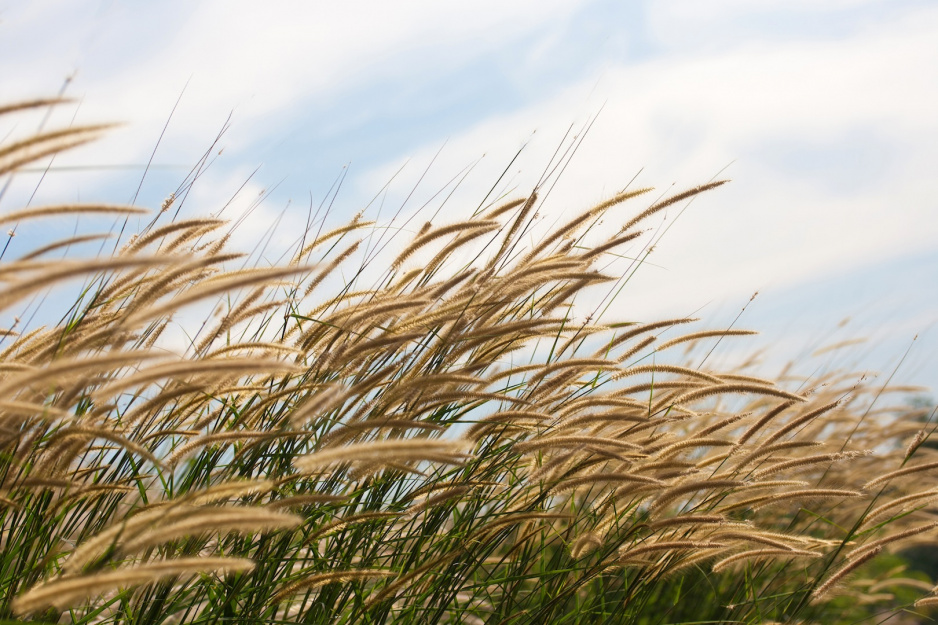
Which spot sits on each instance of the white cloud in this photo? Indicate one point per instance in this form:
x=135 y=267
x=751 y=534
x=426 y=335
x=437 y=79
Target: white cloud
x=684 y=118
x=825 y=109
x=265 y=61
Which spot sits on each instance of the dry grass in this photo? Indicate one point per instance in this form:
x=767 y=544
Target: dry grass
x=450 y=444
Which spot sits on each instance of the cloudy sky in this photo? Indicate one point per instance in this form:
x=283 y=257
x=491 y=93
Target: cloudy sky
x=820 y=111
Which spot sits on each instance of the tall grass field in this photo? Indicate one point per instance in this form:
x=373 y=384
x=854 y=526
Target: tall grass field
x=456 y=424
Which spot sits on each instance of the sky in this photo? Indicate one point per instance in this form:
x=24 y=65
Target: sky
x=821 y=112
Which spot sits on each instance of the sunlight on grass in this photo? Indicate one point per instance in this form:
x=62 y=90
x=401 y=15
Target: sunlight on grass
x=447 y=443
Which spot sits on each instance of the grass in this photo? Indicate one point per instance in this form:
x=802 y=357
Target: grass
x=447 y=445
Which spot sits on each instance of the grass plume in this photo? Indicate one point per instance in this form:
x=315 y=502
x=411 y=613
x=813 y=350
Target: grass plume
x=417 y=446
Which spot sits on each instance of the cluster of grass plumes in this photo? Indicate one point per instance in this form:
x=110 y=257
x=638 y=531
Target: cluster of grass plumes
x=449 y=445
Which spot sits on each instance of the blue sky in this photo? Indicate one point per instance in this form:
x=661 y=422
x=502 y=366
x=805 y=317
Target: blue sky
x=822 y=113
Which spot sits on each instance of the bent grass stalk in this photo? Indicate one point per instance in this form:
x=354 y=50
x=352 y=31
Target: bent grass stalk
x=431 y=447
